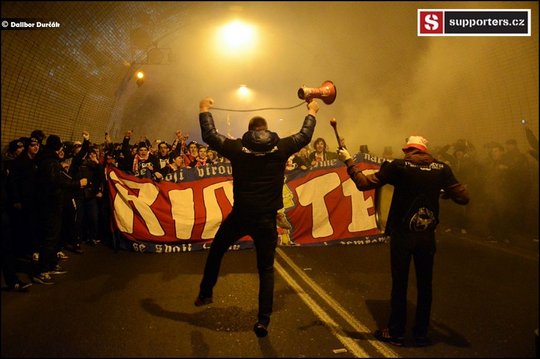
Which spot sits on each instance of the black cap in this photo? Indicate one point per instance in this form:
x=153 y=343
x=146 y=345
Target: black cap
x=53 y=142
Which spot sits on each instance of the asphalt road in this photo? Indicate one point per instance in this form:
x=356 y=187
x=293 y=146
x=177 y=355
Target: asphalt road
x=328 y=302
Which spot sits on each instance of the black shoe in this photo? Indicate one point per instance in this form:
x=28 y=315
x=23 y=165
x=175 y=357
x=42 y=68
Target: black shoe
x=200 y=301
x=20 y=287
x=383 y=335
x=260 y=330
x=422 y=341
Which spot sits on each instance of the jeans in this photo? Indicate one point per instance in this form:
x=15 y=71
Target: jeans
x=420 y=246
x=262 y=229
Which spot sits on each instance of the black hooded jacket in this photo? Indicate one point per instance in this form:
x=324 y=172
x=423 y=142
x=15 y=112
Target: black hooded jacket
x=52 y=179
x=258 y=162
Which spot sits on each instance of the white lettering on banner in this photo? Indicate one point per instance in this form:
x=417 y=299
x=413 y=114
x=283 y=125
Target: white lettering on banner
x=203 y=171
x=361 y=220
x=166 y=248
x=123 y=211
x=183 y=212
x=139 y=247
x=312 y=193
x=214 y=216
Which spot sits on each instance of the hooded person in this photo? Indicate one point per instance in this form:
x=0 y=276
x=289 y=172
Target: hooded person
x=418 y=180
x=15 y=148
x=258 y=166
x=39 y=135
x=53 y=182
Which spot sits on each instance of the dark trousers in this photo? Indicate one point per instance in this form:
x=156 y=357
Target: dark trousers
x=419 y=246
x=51 y=231
x=90 y=219
x=8 y=255
x=263 y=231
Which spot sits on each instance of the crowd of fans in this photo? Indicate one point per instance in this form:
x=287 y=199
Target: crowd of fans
x=45 y=214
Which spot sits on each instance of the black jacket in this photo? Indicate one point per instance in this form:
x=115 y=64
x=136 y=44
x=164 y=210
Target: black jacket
x=52 y=180
x=258 y=162
x=418 y=180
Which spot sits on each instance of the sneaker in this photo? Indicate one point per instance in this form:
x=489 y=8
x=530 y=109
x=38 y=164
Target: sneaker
x=422 y=341
x=384 y=336
x=20 y=286
x=43 y=278
x=62 y=256
x=200 y=301
x=57 y=270
x=260 y=330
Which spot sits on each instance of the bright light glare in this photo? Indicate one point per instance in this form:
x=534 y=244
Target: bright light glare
x=244 y=91
x=140 y=74
x=237 y=36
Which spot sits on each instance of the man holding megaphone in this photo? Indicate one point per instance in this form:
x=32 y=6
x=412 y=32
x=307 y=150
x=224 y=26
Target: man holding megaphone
x=258 y=167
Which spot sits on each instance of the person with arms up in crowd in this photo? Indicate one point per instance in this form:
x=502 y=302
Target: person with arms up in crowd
x=419 y=181
x=258 y=167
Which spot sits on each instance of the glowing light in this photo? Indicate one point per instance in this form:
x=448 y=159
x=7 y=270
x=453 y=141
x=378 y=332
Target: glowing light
x=236 y=36
x=140 y=78
x=244 y=91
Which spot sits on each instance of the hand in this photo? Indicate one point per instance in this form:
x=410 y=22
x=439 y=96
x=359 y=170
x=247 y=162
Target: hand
x=343 y=154
x=205 y=104
x=83 y=182
x=313 y=107
x=86 y=135
x=129 y=133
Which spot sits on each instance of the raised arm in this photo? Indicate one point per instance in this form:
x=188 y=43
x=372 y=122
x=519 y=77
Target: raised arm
x=208 y=129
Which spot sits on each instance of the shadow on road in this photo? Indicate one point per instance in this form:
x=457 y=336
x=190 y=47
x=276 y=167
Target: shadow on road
x=439 y=332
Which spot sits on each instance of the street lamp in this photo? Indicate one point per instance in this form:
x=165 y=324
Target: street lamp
x=140 y=78
x=236 y=37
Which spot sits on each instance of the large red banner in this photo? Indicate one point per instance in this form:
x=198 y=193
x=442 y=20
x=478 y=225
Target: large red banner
x=322 y=206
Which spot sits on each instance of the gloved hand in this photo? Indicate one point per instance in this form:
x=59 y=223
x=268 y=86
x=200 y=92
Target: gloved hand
x=343 y=154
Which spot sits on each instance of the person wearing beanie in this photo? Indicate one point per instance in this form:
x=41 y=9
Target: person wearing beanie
x=53 y=143
x=38 y=135
x=419 y=181
x=52 y=183
x=15 y=148
x=258 y=169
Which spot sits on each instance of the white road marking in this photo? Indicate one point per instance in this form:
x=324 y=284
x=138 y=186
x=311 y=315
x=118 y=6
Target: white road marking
x=349 y=343
x=359 y=327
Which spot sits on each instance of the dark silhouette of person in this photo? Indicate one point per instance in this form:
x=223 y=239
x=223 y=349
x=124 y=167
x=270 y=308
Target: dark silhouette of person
x=258 y=166
x=418 y=180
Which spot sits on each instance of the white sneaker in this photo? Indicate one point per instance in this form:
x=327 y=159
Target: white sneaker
x=62 y=255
